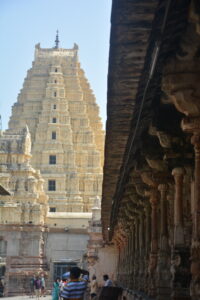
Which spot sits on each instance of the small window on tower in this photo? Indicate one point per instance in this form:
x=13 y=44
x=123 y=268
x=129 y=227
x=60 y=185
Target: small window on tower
x=54 y=106
x=52 y=209
x=54 y=120
x=51 y=185
x=56 y=70
x=53 y=135
x=52 y=159
x=55 y=81
x=55 y=94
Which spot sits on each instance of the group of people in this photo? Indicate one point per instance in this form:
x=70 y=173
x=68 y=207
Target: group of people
x=74 y=286
x=77 y=285
x=37 y=286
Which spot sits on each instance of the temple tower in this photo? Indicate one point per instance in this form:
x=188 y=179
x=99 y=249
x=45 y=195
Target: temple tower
x=59 y=107
x=23 y=212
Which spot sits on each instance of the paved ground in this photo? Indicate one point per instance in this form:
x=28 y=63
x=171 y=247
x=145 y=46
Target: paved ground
x=26 y=298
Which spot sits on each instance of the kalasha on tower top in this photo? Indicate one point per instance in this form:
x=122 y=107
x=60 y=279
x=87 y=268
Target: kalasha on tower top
x=59 y=107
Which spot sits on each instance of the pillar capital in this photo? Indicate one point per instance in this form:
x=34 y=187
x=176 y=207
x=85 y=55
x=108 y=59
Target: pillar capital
x=149 y=178
x=147 y=208
x=195 y=141
x=153 y=196
x=191 y=124
x=178 y=172
x=163 y=187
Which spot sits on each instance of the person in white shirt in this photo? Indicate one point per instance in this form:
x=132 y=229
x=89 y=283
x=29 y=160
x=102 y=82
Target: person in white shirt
x=93 y=287
x=43 y=286
x=108 y=282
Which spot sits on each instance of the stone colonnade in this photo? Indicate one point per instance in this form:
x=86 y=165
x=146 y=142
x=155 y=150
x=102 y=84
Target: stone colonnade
x=158 y=229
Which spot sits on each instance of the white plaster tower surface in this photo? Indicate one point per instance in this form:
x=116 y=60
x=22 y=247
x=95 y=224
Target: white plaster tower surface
x=59 y=107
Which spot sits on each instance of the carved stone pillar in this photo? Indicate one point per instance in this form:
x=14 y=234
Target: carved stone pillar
x=178 y=174
x=154 y=242
x=147 y=229
x=132 y=262
x=141 y=250
x=129 y=259
x=121 y=278
x=120 y=241
x=180 y=253
x=195 y=265
x=136 y=256
x=147 y=242
x=196 y=225
x=119 y=268
x=163 y=267
x=193 y=125
x=126 y=250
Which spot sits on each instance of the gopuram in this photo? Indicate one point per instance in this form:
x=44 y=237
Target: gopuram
x=151 y=186
x=51 y=160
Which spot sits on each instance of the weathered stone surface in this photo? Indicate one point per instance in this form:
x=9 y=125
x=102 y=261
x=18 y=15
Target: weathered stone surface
x=22 y=212
x=44 y=214
x=153 y=119
x=56 y=99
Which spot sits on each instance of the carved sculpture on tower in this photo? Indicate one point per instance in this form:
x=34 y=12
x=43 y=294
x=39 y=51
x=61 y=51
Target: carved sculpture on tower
x=23 y=212
x=51 y=160
x=59 y=107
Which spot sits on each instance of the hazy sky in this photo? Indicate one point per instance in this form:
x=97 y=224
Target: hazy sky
x=24 y=23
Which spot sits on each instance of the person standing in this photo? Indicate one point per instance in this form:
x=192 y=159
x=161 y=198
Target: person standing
x=43 y=286
x=75 y=288
x=56 y=289
x=32 y=286
x=108 y=282
x=61 y=285
x=38 y=286
x=93 y=287
x=1 y=288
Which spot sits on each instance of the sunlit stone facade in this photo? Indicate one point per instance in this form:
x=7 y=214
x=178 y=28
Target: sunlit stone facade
x=59 y=107
x=55 y=139
x=23 y=211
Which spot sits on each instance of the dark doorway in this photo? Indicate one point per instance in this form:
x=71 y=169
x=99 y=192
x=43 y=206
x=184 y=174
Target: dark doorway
x=62 y=267
x=2 y=270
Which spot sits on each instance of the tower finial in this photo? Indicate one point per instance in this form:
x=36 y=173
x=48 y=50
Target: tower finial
x=57 y=40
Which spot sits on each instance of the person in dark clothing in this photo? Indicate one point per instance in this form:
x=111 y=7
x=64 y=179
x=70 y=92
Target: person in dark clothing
x=1 y=288
x=38 y=286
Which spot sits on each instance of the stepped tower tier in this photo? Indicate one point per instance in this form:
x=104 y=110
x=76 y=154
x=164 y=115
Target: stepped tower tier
x=59 y=107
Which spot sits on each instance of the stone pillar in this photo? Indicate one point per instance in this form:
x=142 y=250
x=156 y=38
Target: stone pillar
x=136 y=256
x=154 y=242
x=195 y=265
x=180 y=252
x=126 y=264
x=163 y=267
x=129 y=258
x=119 y=268
x=141 y=250
x=147 y=229
x=192 y=125
x=178 y=174
x=147 y=242
x=196 y=218
x=132 y=262
x=120 y=262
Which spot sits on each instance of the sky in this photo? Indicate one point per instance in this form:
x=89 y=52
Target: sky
x=24 y=23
